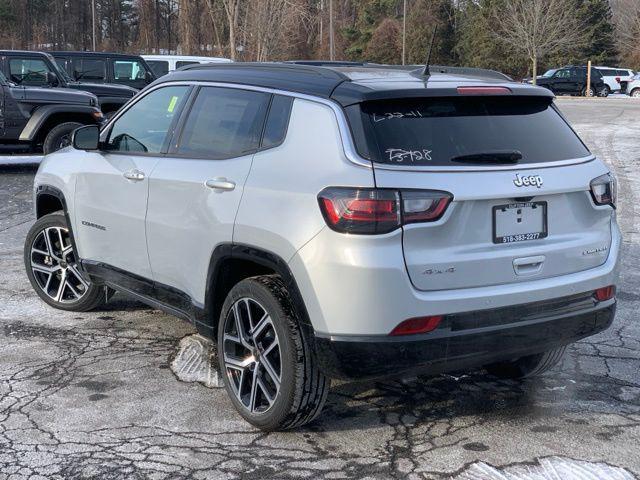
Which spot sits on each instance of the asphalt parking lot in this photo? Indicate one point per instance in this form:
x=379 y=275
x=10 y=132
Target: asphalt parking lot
x=93 y=395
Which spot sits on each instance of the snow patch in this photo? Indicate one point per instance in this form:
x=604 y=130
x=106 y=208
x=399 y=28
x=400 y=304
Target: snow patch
x=196 y=361
x=550 y=468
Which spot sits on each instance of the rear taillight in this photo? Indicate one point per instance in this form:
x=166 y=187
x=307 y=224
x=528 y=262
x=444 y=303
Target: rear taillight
x=604 y=190
x=605 y=293
x=417 y=325
x=375 y=211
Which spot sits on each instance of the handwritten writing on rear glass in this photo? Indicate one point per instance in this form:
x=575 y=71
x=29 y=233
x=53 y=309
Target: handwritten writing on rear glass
x=381 y=117
x=400 y=155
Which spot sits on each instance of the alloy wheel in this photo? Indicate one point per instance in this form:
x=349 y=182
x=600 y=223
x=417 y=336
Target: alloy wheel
x=251 y=355
x=54 y=266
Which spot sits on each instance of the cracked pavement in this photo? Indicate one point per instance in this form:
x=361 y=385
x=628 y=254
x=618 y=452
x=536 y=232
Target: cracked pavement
x=92 y=396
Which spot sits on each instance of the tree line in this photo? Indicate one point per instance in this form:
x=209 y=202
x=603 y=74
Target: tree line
x=513 y=36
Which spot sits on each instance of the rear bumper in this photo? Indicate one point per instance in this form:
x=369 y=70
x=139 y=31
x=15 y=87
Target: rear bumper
x=466 y=341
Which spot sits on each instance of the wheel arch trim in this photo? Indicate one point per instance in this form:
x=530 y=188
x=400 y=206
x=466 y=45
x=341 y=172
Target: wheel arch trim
x=42 y=114
x=210 y=312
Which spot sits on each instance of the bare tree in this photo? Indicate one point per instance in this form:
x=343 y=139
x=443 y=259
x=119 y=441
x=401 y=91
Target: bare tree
x=232 y=9
x=538 y=28
x=626 y=17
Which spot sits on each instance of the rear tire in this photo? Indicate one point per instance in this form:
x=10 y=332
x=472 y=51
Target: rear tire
x=635 y=93
x=59 y=137
x=592 y=92
x=266 y=362
x=52 y=268
x=528 y=366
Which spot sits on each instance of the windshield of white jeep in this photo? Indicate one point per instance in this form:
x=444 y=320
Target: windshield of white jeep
x=459 y=130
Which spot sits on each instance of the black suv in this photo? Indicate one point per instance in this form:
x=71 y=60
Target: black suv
x=39 y=69
x=36 y=119
x=572 y=80
x=103 y=67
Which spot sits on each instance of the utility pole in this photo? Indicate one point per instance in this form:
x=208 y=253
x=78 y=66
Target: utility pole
x=331 y=44
x=587 y=90
x=404 y=30
x=93 y=24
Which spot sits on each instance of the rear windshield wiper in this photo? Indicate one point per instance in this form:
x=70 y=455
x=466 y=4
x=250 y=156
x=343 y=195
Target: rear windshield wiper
x=489 y=157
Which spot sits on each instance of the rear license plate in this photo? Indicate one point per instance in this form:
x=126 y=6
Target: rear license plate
x=519 y=222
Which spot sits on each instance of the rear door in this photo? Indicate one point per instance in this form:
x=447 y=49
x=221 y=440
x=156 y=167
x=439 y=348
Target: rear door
x=89 y=69
x=195 y=191
x=111 y=193
x=512 y=219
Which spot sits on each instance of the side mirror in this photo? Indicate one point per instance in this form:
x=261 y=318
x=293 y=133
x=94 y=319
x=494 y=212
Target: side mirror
x=86 y=138
x=52 y=79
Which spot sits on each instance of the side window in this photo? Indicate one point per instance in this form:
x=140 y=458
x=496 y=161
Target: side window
x=62 y=63
x=158 y=67
x=144 y=127
x=90 y=69
x=277 y=121
x=224 y=123
x=562 y=74
x=28 y=71
x=182 y=63
x=128 y=70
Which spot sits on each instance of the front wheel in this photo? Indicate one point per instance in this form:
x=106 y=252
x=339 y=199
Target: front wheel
x=269 y=372
x=59 y=137
x=635 y=93
x=52 y=267
x=528 y=366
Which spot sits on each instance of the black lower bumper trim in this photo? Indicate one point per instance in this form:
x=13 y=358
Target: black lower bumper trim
x=453 y=350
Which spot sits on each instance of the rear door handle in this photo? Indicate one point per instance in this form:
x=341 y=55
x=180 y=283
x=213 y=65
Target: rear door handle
x=221 y=183
x=134 y=175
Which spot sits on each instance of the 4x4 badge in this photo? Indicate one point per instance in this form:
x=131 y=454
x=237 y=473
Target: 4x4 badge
x=527 y=181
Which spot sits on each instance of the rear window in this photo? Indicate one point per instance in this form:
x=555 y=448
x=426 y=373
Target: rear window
x=158 y=67
x=449 y=131
x=184 y=63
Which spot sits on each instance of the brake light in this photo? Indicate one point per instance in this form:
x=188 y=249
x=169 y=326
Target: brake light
x=483 y=91
x=605 y=293
x=376 y=211
x=604 y=190
x=413 y=326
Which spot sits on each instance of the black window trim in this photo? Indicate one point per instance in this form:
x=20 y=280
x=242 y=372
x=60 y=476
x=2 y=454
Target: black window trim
x=348 y=144
x=186 y=111
x=106 y=132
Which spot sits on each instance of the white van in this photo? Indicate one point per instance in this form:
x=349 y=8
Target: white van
x=163 y=64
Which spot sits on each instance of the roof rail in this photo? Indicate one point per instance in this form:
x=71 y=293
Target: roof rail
x=269 y=66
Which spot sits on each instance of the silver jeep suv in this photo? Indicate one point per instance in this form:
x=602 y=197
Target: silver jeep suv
x=324 y=222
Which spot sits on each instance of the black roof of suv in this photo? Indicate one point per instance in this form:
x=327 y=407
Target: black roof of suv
x=348 y=84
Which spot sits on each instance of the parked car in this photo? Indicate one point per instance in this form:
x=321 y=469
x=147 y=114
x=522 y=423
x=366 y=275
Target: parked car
x=163 y=64
x=35 y=119
x=39 y=69
x=336 y=222
x=633 y=87
x=572 y=81
x=615 y=78
x=104 y=67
